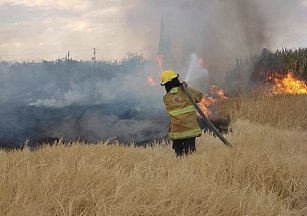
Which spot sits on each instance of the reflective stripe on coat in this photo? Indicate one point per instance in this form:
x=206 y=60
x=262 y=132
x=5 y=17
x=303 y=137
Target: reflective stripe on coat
x=183 y=119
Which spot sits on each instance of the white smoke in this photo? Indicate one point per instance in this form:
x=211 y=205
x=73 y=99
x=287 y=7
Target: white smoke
x=74 y=100
x=197 y=75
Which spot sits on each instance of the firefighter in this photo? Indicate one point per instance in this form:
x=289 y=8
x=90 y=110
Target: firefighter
x=184 y=127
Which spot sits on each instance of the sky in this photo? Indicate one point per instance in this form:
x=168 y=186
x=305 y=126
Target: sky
x=48 y=29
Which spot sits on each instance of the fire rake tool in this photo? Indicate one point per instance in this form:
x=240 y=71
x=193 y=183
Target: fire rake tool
x=204 y=117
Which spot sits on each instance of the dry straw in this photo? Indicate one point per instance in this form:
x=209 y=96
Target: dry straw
x=264 y=174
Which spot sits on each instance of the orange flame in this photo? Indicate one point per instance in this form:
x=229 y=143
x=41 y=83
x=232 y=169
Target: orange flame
x=287 y=84
x=159 y=61
x=207 y=101
x=201 y=62
x=204 y=105
x=215 y=90
x=151 y=80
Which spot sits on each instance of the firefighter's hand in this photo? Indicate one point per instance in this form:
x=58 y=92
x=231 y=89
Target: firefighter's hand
x=185 y=83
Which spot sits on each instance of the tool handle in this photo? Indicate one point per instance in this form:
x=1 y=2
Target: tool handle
x=204 y=117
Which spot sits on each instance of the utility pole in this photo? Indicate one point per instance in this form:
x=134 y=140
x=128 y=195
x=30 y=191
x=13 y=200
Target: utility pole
x=94 y=55
x=94 y=60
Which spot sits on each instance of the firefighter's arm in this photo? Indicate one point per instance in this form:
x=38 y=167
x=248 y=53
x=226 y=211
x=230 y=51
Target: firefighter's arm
x=169 y=125
x=197 y=95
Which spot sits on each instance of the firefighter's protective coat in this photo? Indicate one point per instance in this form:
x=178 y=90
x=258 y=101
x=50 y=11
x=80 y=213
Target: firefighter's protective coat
x=183 y=119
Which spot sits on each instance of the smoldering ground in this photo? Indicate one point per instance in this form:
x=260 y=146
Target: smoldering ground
x=80 y=100
x=219 y=31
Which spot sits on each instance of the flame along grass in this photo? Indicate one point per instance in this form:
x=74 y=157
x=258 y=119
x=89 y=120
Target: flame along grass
x=207 y=101
x=288 y=84
x=264 y=174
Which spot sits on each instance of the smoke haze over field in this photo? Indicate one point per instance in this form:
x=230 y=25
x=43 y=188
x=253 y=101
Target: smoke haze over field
x=80 y=100
x=75 y=99
x=219 y=31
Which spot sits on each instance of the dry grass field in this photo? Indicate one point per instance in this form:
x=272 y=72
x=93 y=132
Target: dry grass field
x=264 y=174
x=283 y=111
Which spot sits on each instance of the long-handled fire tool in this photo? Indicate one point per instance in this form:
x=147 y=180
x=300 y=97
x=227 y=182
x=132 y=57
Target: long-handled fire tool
x=204 y=117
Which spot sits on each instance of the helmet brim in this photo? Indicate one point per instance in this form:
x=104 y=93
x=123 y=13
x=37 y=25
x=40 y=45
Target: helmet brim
x=163 y=84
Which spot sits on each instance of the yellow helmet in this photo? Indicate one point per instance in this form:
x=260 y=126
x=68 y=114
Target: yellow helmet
x=167 y=76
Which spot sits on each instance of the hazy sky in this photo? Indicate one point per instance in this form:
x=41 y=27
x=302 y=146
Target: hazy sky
x=46 y=29
x=49 y=26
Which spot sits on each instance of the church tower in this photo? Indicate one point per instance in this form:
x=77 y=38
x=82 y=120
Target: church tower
x=165 y=46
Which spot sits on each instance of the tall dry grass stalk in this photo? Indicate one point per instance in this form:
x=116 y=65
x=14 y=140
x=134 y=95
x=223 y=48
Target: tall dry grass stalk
x=264 y=174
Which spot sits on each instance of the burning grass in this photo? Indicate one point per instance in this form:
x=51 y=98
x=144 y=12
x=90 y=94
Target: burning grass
x=264 y=174
x=287 y=84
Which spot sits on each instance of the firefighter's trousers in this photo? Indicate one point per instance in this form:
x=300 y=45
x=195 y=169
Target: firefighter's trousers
x=184 y=146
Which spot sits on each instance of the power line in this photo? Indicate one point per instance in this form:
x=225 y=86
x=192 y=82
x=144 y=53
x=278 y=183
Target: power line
x=78 y=51
x=45 y=53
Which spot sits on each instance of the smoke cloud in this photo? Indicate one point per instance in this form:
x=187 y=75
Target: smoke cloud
x=197 y=76
x=113 y=100
x=219 y=31
x=72 y=100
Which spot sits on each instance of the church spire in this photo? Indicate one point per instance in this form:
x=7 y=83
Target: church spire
x=162 y=36
x=165 y=45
